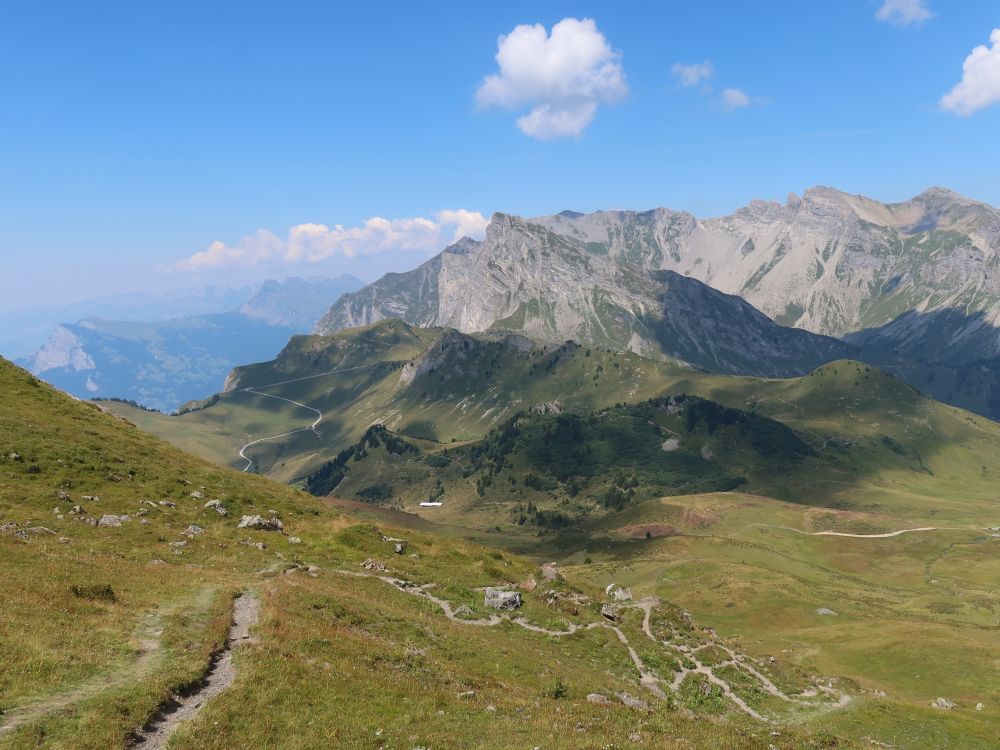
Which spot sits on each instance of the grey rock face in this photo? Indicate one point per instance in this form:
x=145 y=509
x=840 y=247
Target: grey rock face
x=826 y=262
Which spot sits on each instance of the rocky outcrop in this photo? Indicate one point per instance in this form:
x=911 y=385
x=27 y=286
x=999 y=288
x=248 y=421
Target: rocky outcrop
x=826 y=262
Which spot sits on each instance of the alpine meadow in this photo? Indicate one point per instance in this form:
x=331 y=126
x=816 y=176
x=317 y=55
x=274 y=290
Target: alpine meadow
x=445 y=464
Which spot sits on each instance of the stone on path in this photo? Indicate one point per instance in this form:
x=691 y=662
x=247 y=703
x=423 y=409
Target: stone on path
x=501 y=599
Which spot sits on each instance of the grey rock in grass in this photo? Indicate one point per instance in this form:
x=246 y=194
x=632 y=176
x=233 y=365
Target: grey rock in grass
x=611 y=612
x=943 y=704
x=599 y=699
x=501 y=599
x=824 y=612
x=260 y=523
x=109 y=521
x=217 y=506
x=632 y=702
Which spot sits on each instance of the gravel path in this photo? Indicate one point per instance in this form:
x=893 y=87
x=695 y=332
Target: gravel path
x=222 y=673
x=648 y=678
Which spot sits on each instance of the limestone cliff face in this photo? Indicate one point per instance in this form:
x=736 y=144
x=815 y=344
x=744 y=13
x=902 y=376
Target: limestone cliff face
x=826 y=262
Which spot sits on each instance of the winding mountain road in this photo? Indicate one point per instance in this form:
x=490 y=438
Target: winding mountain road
x=311 y=428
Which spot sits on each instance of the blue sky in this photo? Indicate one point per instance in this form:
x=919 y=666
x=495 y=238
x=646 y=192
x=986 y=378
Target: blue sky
x=135 y=135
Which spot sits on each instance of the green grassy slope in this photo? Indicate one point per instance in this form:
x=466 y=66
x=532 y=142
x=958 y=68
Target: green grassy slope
x=99 y=625
x=886 y=443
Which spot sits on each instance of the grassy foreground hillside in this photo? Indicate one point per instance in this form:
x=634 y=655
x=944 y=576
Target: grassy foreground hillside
x=119 y=578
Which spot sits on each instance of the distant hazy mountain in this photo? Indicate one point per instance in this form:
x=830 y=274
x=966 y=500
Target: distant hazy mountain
x=165 y=363
x=24 y=330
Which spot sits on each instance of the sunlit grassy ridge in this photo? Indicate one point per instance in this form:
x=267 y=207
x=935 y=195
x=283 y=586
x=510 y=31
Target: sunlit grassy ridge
x=883 y=443
x=341 y=660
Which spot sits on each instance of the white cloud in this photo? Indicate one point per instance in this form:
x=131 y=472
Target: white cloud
x=312 y=243
x=903 y=12
x=692 y=75
x=980 y=84
x=562 y=77
x=734 y=99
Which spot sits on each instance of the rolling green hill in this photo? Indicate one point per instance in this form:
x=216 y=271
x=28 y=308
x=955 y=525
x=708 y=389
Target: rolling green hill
x=755 y=611
x=876 y=441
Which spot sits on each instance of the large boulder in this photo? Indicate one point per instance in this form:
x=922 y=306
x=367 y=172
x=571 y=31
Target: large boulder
x=260 y=523
x=502 y=599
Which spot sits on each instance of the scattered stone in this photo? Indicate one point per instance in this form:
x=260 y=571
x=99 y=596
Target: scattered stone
x=294 y=540
x=372 y=564
x=621 y=594
x=312 y=570
x=823 y=612
x=501 y=599
x=15 y=457
x=143 y=520
x=65 y=540
x=463 y=610
x=599 y=699
x=91 y=498
x=109 y=521
x=549 y=407
x=142 y=512
x=670 y=445
x=632 y=702
x=528 y=585
x=179 y=544
x=468 y=694
x=252 y=543
x=197 y=495
x=635 y=737
x=399 y=547
x=943 y=703
x=261 y=523
x=63 y=496
x=979 y=706
x=78 y=510
x=549 y=572
x=40 y=530
x=218 y=507
x=194 y=530
x=168 y=504
x=611 y=612
x=491 y=709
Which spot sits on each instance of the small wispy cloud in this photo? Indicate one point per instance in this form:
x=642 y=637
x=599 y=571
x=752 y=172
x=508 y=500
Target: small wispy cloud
x=980 y=84
x=692 y=75
x=733 y=99
x=562 y=77
x=313 y=243
x=903 y=12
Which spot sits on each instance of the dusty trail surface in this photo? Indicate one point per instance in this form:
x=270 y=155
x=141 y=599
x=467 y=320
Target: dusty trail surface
x=222 y=673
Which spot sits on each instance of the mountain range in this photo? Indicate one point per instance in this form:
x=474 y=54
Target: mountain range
x=913 y=286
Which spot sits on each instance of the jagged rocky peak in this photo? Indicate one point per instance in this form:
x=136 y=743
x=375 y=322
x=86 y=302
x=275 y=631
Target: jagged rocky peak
x=464 y=246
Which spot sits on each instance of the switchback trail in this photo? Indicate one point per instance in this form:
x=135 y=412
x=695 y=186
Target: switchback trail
x=222 y=672
x=648 y=677
x=311 y=428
